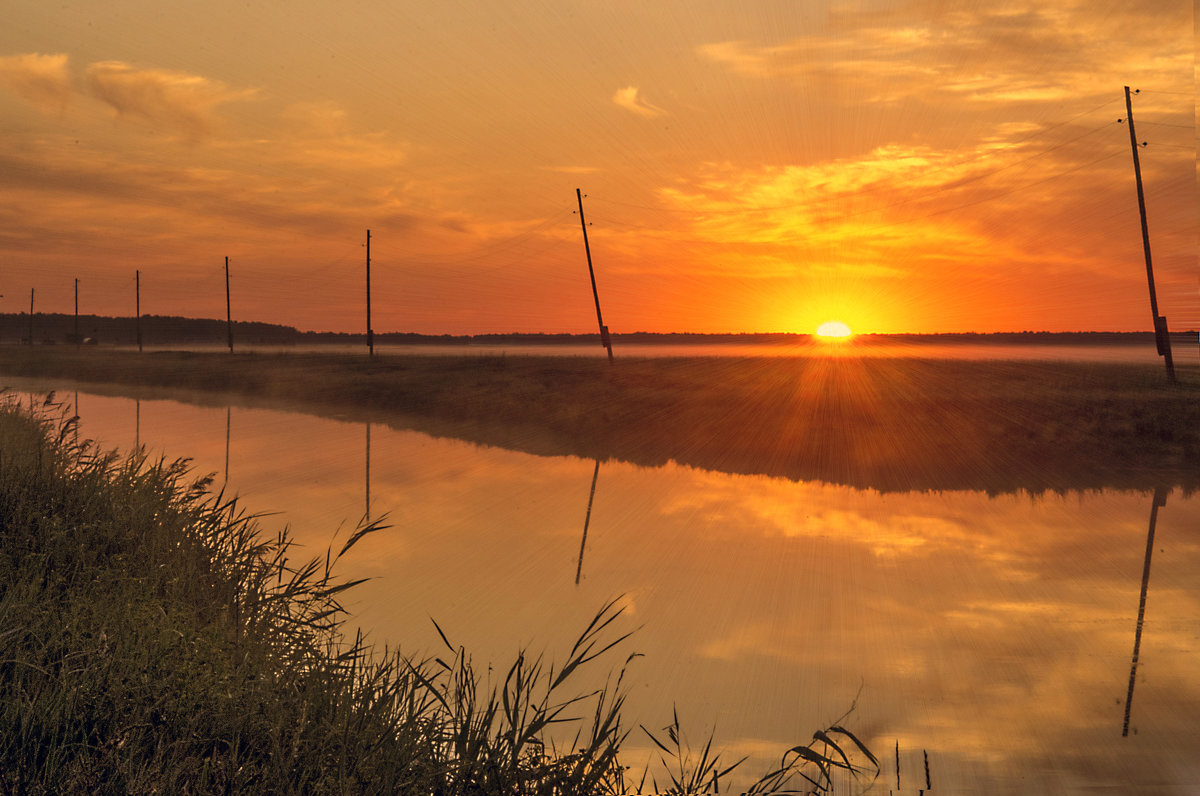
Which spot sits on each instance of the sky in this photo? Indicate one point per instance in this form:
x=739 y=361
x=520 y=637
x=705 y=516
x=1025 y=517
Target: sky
x=765 y=166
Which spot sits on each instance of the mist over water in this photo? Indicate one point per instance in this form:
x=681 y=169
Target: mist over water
x=993 y=634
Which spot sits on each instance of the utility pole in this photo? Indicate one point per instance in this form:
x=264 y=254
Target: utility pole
x=31 y=316
x=228 y=312
x=137 y=321
x=605 y=340
x=1161 y=336
x=370 y=331
x=76 y=313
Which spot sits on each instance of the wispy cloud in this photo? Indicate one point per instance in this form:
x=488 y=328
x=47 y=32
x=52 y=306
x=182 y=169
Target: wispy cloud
x=630 y=99
x=179 y=101
x=1017 y=52
x=42 y=80
x=572 y=169
x=326 y=118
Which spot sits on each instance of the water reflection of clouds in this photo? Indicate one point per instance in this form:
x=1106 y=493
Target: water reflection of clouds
x=994 y=632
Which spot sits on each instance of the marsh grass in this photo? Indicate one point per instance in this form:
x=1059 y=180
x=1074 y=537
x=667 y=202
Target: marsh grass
x=887 y=424
x=154 y=641
x=810 y=768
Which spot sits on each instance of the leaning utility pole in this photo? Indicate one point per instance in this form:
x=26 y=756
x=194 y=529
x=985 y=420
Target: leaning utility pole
x=77 y=313
x=605 y=340
x=1161 y=337
x=228 y=312
x=370 y=331
x=31 y=315
x=137 y=320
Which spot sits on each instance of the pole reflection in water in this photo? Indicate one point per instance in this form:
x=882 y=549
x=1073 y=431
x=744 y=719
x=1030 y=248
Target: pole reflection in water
x=228 y=425
x=367 y=509
x=587 y=518
x=1160 y=499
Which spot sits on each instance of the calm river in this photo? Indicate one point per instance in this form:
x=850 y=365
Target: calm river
x=993 y=636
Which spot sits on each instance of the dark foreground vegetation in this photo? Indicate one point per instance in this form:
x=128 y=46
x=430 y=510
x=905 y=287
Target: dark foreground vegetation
x=155 y=643
x=888 y=424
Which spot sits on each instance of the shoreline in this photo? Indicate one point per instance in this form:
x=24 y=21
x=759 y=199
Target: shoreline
x=884 y=424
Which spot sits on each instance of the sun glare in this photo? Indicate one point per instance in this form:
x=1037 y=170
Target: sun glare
x=834 y=330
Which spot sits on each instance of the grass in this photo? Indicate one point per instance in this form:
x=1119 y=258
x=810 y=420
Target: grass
x=888 y=424
x=155 y=642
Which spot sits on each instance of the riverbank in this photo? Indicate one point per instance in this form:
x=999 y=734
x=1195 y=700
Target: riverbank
x=886 y=424
x=156 y=643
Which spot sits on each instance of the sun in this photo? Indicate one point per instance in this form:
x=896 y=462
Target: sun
x=834 y=330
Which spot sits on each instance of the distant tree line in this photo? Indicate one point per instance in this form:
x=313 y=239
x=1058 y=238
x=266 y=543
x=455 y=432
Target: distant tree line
x=59 y=328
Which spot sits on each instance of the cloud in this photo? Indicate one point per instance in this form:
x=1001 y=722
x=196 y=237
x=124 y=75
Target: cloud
x=1018 y=52
x=629 y=99
x=176 y=100
x=746 y=59
x=573 y=169
x=42 y=80
x=326 y=118
x=322 y=138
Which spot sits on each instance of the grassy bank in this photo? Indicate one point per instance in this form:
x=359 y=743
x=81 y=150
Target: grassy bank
x=882 y=423
x=154 y=642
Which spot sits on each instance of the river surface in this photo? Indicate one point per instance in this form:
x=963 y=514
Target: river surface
x=992 y=636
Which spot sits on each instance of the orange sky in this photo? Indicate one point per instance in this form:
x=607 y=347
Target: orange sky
x=904 y=166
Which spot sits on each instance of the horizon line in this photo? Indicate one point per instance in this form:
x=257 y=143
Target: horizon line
x=297 y=330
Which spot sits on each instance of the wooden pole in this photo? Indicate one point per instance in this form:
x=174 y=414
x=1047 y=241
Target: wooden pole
x=1161 y=336
x=31 y=315
x=370 y=331
x=77 y=314
x=137 y=292
x=228 y=312
x=605 y=340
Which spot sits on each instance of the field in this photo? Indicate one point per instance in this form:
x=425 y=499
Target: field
x=886 y=424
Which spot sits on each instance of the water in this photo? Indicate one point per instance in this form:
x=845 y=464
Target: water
x=994 y=634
